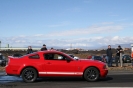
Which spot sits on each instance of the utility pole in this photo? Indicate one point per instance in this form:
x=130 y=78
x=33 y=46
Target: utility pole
x=121 y=62
x=71 y=46
x=121 y=54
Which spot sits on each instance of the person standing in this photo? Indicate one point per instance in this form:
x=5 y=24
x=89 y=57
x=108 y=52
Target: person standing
x=118 y=51
x=109 y=56
x=52 y=49
x=1 y=56
x=132 y=61
x=44 y=47
x=29 y=50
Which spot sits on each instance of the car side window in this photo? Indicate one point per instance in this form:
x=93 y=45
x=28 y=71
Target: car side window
x=49 y=56
x=34 y=57
x=54 y=57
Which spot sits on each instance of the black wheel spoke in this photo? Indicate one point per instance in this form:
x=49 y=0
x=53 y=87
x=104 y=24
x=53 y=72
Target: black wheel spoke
x=29 y=75
x=91 y=74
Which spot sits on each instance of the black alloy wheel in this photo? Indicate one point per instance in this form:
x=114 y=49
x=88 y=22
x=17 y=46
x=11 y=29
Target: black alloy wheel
x=29 y=75
x=91 y=74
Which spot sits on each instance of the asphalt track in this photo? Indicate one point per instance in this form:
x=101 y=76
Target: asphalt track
x=113 y=79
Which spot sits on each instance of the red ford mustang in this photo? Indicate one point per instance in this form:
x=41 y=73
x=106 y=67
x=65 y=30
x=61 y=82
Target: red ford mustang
x=54 y=64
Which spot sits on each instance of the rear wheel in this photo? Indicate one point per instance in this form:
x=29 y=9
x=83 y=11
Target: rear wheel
x=29 y=75
x=91 y=74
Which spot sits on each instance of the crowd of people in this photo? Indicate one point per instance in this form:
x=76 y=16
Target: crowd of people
x=109 y=54
x=29 y=50
x=118 y=55
x=108 y=58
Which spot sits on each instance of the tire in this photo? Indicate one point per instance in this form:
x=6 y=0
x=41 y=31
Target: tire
x=91 y=74
x=29 y=75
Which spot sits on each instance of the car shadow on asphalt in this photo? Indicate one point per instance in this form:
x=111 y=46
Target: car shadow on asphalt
x=69 y=79
x=105 y=79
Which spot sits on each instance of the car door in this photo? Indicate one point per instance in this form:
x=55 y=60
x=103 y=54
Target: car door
x=58 y=65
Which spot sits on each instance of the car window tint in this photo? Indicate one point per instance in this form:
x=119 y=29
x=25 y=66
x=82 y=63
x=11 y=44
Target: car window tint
x=49 y=56
x=54 y=57
x=71 y=56
x=34 y=56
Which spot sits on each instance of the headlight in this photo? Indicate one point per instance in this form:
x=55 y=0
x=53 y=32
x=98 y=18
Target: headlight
x=104 y=67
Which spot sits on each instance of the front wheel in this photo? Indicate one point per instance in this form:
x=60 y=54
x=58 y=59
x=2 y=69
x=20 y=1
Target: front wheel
x=29 y=75
x=91 y=74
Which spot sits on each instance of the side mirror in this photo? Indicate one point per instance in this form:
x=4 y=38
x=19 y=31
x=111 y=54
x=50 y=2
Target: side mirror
x=68 y=59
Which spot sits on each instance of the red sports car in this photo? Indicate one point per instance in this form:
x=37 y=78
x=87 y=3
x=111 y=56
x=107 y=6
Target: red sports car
x=54 y=64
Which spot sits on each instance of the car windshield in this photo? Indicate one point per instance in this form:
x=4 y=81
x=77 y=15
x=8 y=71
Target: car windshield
x=127 y=56
x=71 y=55
x=2 y=57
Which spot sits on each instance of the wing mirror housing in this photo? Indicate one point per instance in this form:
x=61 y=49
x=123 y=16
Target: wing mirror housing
x=68 y=59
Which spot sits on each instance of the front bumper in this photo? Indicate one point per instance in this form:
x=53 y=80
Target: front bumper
x=104 y=73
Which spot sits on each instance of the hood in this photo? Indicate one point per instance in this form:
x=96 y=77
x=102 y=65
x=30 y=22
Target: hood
x=91 y=60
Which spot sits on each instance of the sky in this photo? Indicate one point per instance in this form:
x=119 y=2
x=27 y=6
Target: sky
x=65 y=23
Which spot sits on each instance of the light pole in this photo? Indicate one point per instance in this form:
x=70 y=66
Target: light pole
x=121 y=62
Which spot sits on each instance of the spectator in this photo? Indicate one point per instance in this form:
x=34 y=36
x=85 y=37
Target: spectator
x=117 y=58
x=132 y=61
x=132 y=57
x=1 y=56
x=29 y=50
x=104 y=59
x=44 y=47
x=109 y=56
x=52 y=49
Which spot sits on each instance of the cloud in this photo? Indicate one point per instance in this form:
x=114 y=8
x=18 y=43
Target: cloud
x=91 y=42
x=122 y=19
x=89 y=30
x=102 y=28
x=58 y=38
x=38 y=35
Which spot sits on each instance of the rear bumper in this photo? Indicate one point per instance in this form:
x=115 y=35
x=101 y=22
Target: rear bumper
x=104 y=73
x=9 y=71
x=12 y=75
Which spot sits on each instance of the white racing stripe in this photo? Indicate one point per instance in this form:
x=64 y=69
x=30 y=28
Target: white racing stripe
x=63 y=73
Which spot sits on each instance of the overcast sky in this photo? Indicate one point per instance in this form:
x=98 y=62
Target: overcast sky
x=60 y=23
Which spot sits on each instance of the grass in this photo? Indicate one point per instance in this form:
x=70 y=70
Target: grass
x=2 y=68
